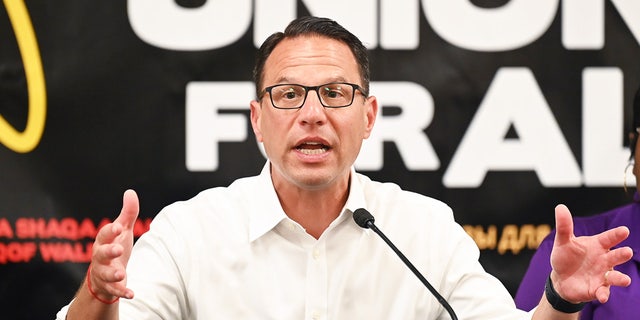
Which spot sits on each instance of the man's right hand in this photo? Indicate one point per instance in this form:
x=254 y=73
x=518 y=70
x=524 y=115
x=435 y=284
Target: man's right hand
x=111 y=252
x=106 y=279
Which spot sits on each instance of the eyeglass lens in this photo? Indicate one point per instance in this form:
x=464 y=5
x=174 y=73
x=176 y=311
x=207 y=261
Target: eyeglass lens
x=292 y=96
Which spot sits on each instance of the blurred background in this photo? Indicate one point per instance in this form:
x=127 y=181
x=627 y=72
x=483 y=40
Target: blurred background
x=502 y=109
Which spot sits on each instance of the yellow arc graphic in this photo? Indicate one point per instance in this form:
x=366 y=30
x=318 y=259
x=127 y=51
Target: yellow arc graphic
x=28 y=139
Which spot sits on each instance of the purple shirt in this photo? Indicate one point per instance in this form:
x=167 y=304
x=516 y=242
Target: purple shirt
x=624 y=303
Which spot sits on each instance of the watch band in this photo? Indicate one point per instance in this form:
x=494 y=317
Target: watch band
x=557 y=302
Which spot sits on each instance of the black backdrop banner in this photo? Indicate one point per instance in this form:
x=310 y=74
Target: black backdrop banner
x=502 y=109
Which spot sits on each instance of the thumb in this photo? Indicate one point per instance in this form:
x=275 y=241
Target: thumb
x=130 y=210
x=564 y=225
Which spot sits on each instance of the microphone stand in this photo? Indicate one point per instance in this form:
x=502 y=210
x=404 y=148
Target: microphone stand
x=367 y=222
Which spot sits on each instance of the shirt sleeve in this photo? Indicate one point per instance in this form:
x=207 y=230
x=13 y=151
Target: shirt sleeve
x=473 y=293
x=154 y=273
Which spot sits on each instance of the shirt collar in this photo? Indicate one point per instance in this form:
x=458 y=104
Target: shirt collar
x=356 y=198
x=266 y=211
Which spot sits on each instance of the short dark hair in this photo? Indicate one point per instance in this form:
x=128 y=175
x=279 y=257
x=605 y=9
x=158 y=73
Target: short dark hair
x=310 y=25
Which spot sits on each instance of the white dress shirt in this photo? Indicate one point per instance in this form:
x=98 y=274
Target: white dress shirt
x=232 y=253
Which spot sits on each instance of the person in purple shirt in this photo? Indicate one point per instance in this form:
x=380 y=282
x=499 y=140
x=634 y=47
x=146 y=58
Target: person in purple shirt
x=624 y=302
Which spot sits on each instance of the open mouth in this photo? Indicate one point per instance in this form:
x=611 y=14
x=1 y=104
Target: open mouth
x=312 y=148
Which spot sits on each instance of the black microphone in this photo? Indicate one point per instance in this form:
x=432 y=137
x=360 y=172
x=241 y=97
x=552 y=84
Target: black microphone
x=365 y=220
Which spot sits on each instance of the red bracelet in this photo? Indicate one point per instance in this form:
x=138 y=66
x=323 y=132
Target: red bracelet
x=93 y=293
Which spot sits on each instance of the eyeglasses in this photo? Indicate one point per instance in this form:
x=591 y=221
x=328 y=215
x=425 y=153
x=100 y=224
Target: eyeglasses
x=331 y=95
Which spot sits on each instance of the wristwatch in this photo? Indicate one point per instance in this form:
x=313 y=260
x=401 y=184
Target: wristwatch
x=557 y=302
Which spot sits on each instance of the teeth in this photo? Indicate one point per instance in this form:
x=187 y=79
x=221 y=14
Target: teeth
x=312 y=148
x=312 y=151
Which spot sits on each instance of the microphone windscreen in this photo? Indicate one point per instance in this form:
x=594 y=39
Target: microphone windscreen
x=362 y=217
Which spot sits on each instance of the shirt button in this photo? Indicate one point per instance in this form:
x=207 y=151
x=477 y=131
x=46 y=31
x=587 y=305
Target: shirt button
x=316 y=254
x=315 y=315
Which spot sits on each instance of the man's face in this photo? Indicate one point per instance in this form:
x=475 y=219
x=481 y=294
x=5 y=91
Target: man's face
x=312 y=147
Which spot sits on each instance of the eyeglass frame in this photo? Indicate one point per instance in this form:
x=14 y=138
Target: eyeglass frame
x=316 y=89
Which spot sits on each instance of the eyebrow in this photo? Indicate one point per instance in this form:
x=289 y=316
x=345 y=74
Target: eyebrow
x=283 y=80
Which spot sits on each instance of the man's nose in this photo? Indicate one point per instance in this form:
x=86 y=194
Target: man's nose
x=312 y=111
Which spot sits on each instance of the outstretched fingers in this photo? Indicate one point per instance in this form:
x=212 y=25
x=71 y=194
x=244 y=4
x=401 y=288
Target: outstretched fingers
x=612 y=237
x=585 y=264
x=611 y=278
x=122 y=227
x=616 y=278
x=612 y=258
x=107 y=282
x=111 y=251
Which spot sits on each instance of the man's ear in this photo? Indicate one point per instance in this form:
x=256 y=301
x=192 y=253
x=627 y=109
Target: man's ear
x=256 y=113
x=372 y=113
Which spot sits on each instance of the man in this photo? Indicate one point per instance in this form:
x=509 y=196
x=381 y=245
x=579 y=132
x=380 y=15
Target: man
x=283 y=245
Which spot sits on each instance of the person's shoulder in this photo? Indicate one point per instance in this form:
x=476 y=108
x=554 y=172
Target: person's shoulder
x=382 y=194
x=211 y=203
x=238 y=190
x=596 y=223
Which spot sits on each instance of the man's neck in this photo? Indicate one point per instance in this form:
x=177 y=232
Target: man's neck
x=314 y=210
